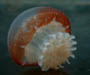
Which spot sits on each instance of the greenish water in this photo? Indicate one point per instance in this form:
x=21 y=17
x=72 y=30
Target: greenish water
x=79 y=16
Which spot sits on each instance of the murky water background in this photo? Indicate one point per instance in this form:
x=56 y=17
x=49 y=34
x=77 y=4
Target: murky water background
x=78 y=11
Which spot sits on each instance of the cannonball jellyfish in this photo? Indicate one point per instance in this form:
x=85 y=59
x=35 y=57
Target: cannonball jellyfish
x=41 y=36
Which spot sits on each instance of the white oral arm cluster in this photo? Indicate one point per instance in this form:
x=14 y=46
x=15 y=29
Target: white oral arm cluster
x=50 y=47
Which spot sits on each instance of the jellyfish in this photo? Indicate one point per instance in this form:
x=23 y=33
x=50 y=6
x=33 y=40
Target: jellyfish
x=42 y=37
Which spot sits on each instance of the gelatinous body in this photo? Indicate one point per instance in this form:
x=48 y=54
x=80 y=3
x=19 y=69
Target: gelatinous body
x=43 y=39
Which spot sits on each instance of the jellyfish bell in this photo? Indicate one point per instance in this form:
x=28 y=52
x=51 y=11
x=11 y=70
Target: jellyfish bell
x=41 y=36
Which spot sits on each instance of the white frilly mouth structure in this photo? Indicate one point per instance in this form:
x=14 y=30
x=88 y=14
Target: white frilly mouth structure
x=51 y=46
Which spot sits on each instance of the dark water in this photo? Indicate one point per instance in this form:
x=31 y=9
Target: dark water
x=79 y=16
